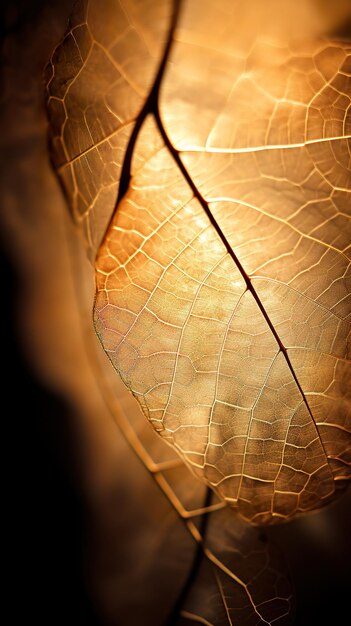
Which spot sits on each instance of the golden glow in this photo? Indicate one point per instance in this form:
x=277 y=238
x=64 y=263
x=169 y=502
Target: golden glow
x=259 y=112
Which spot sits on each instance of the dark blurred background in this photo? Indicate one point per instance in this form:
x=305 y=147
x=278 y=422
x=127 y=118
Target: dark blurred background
x=46 y=511
x=46 y=514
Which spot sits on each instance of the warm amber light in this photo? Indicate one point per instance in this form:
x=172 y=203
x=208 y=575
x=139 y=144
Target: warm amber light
x=176 y=177
x=235 y=346
x=204 y=151
x=258 y=111
x=223 y=130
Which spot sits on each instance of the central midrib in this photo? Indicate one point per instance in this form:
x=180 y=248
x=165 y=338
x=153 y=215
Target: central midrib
x=151 y=107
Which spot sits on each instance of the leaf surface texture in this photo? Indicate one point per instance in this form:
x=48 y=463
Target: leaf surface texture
x=223 y=280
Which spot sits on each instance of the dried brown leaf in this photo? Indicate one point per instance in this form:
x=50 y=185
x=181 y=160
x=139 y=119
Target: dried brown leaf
x=235 y=229
x=97 y=82
x=222 y=280
x=259 y=590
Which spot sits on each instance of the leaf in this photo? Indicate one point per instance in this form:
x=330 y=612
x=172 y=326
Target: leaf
x=162 y=210
x=96 y=88
x=235 y=230
x=217 y=599
x=251 y=580
x=130 y=533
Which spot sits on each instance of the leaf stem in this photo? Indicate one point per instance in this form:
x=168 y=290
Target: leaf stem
x=249 y=286
x=150 y=107
x=197 y=560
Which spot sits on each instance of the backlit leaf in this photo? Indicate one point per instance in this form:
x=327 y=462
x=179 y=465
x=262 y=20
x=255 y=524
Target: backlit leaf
x=98 y=79
x=222 y=284
x=222 y=278
x=244 y=598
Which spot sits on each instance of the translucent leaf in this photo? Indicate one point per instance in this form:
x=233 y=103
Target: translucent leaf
x=234 y=229
x=97 y=81
x=221 y=280
x=259 y=590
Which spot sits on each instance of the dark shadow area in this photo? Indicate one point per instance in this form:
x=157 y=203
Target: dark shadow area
x=46 y=512
x=318 y=551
